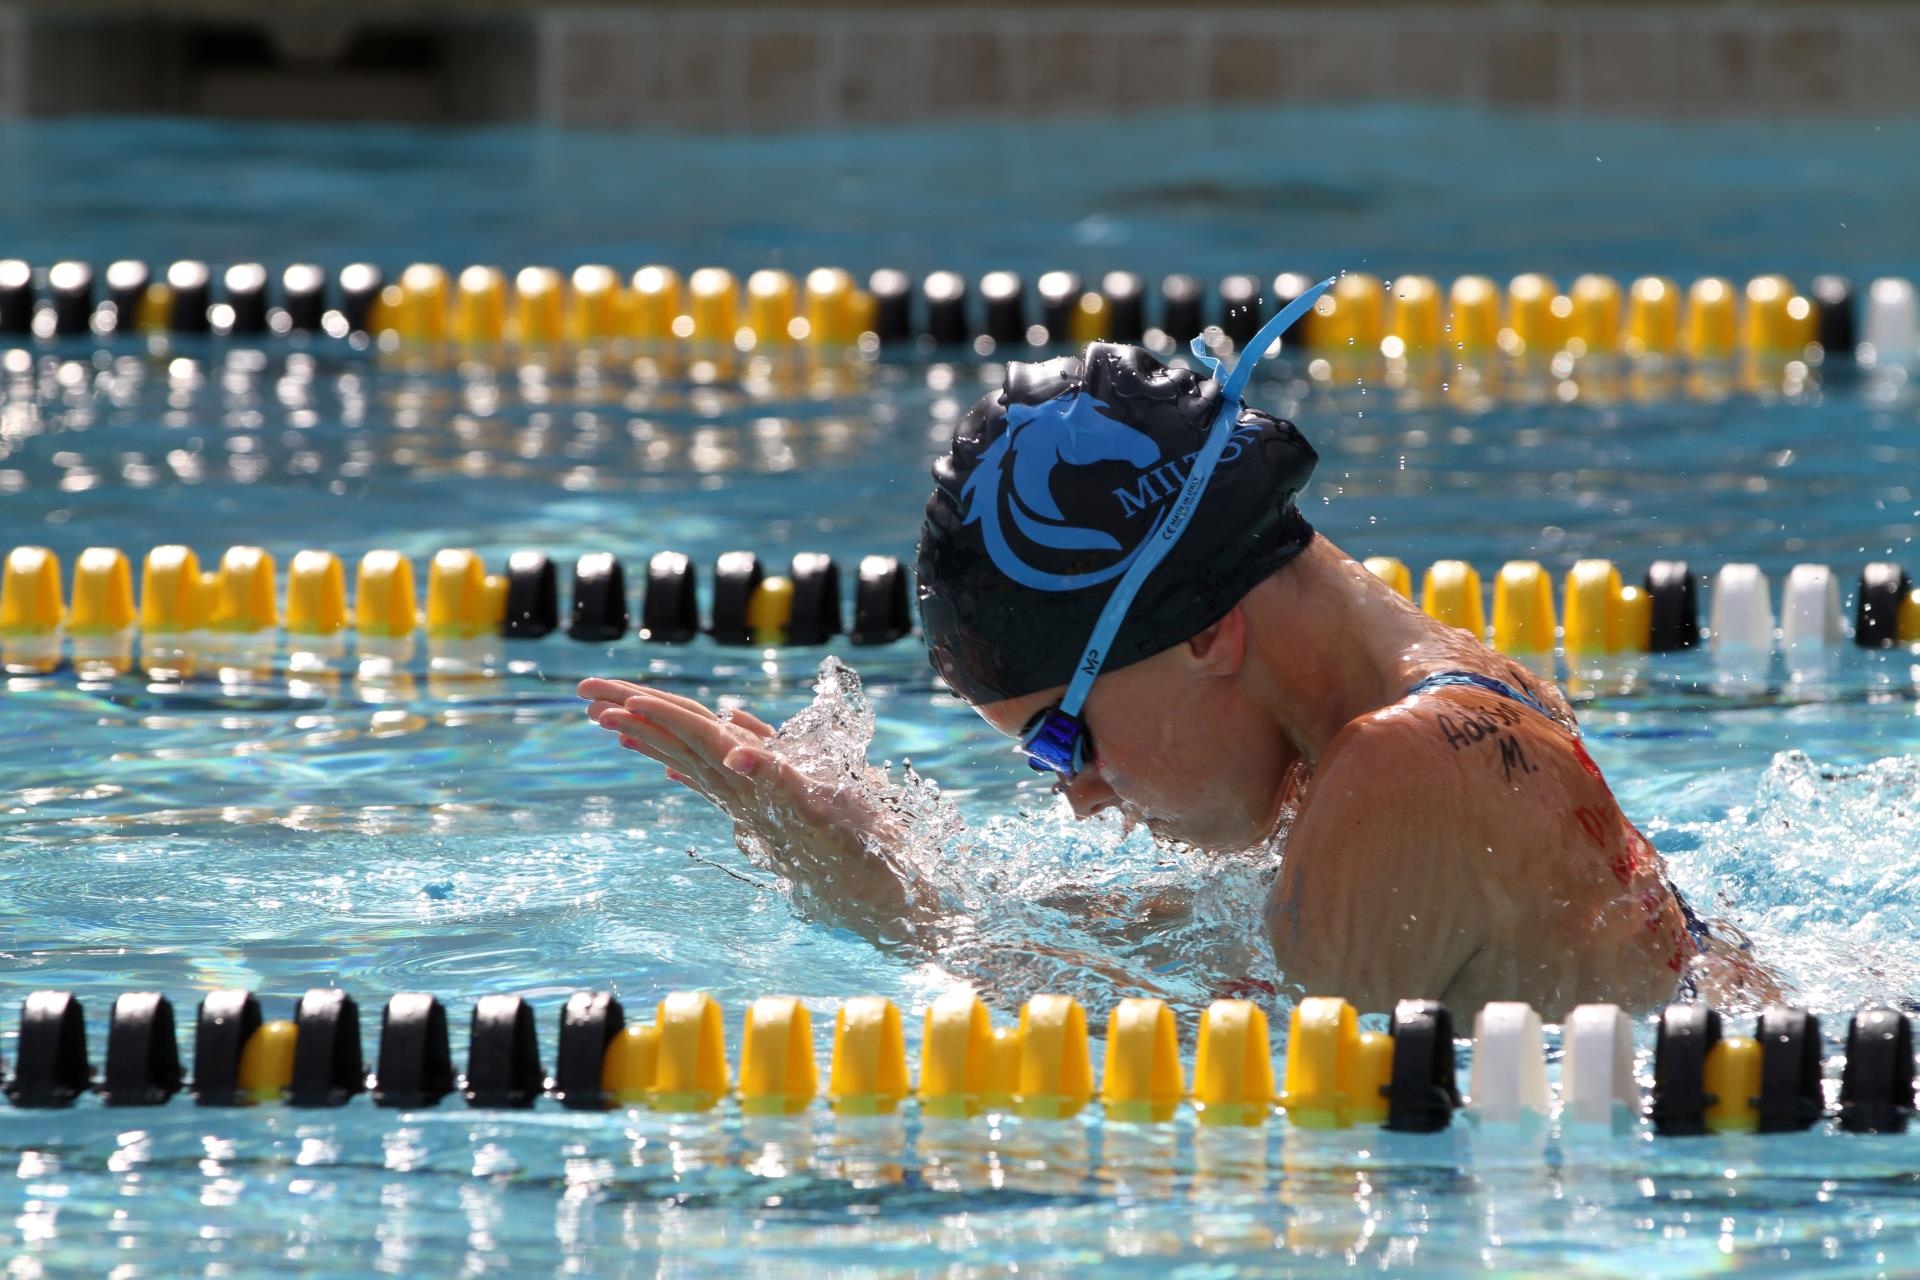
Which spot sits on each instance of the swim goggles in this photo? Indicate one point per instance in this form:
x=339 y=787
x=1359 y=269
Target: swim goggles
x=1056 y=739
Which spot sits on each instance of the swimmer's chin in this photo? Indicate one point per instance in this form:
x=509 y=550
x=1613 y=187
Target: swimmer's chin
x=1172 y=834
x=1177 y=838
x=1215 y=844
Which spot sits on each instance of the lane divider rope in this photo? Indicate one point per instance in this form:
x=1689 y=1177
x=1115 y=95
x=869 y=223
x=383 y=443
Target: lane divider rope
x=1334 y=1075
x=187 y=615
x=539 y=308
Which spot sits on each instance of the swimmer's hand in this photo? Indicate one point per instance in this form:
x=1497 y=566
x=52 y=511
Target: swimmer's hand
x=826 y=837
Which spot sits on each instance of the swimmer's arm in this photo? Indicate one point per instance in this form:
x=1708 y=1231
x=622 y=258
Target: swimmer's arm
x=1378 y=897
x=829 y=839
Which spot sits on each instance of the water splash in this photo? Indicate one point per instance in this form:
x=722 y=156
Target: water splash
x=1108 y=912
x=830 y=736
x=1822 y=871
x=910 y=819
x=1038 y=900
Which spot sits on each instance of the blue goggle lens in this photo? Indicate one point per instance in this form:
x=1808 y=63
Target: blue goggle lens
x=1055 y=742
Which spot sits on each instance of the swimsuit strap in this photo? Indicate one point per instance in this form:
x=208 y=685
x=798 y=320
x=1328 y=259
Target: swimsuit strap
x=1697 y=927
x=1453 y=679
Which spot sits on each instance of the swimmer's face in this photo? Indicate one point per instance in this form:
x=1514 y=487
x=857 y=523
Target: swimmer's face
x=1178 y=745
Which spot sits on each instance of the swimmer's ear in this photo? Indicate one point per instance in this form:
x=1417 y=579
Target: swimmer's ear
x=1222 y=647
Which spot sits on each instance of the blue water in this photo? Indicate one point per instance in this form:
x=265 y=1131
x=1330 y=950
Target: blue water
x=475 y=836
x=1438 y=190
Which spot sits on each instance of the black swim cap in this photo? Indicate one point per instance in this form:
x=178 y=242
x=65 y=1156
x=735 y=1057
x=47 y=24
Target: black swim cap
x=1052 y=484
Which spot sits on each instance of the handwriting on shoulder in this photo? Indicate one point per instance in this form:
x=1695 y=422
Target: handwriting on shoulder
x=1488 y=727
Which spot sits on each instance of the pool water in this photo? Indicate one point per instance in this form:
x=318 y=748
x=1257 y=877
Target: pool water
x=474 y=836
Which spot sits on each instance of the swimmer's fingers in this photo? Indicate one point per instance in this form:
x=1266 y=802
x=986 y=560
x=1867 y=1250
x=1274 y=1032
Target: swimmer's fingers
x=639 y=704
x=666 y=725
x=696 y=727
x=602 y=689
x=703 y=772
x=692 y=705
x=787 y=795
x=603 y=693
x=638 y=735
x=729 y=764
x=745 y=719
x=673 y=774
x=694 y=785
x=751 y=723
x=659 y=740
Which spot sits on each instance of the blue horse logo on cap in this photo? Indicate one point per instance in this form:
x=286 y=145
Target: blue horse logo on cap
x=1076 y=430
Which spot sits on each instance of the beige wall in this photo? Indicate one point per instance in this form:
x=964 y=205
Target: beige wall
x=799 y=64
x=774 y=66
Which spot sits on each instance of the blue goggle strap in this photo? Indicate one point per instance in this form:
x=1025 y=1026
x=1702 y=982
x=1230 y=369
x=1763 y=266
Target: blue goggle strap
x=1167 y=530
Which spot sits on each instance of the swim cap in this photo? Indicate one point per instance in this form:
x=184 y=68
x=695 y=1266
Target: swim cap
x=1053 y=484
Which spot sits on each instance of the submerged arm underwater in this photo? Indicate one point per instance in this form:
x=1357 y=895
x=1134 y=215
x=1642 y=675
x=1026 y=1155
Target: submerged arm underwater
x=877 y=854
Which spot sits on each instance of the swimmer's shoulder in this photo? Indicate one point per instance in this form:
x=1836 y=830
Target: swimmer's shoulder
x=1454 y=734
x=1436 y=849
x=1391 y=773
x=1476 y=779
x=1375 y=893
x=1524 y=730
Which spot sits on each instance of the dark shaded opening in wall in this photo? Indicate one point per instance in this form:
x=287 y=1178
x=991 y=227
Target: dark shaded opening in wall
x=326 y=69
x=249 y=47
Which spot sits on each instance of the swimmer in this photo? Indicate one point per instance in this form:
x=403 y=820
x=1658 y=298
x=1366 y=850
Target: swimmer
x=1116 y=574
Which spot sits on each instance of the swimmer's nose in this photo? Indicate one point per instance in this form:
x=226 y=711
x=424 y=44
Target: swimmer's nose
x=1088 y=794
